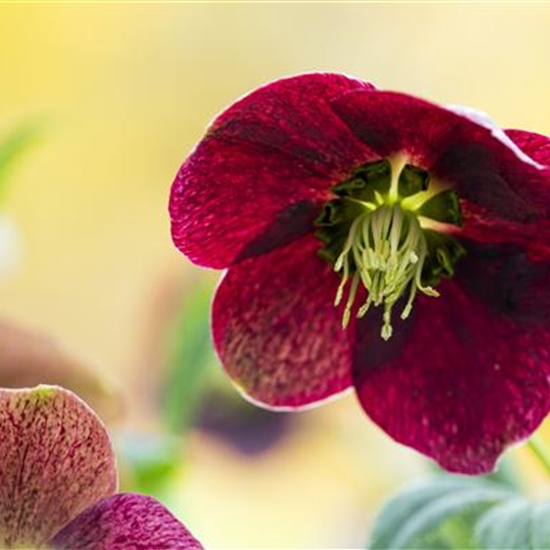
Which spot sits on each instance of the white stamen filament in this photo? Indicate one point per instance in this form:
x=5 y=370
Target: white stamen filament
x=387 y=247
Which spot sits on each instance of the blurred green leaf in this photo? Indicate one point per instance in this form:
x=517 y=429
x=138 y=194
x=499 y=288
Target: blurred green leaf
x=149 y=461
x=506 y=473
x=516 y=523
x=14 y=144
x=437 y=513
x=192 y=353
x=541 y=525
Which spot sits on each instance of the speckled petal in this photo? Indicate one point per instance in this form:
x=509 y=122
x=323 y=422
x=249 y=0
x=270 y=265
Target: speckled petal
x=125 y=522
x=28 y=358
x=456 y=150
x=56 y=461
x=467 y=374
x=254 y=182
x=276 y=331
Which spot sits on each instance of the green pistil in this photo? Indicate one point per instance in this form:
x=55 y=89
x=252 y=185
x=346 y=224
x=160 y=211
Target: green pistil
x=412 y=180
x=367 y=181
x=372 y=235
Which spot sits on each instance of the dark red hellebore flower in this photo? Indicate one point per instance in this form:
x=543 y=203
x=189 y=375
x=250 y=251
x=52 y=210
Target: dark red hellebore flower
x=376 y=240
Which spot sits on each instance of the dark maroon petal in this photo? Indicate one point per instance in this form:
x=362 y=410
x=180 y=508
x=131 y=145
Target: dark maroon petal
x=508 y=279
x=472 y=157
x=56 y=460
x=126 y=522
x=253 y=181
x=480 y=223
x=480 y=226
x=276 y=331
x=463 y=378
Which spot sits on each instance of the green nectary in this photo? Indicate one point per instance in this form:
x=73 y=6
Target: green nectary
x=386 y=230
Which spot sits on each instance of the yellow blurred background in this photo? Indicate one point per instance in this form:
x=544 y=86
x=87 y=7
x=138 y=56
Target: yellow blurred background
x=125 y=90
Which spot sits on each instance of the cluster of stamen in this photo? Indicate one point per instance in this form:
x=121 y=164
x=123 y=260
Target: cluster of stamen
x=387 y=249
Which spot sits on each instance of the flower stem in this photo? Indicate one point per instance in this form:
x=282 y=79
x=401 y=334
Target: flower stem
x=538 y=447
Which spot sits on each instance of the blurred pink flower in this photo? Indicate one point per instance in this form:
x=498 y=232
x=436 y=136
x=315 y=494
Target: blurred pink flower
x=29 y=358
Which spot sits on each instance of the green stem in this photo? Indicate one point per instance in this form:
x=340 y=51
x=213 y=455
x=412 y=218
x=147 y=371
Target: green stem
x=540 y=450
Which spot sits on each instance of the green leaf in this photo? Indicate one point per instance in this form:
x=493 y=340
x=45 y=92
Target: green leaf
x=541 y=525
x=506 y=525
x=437 y=513
x=517 y=523
x=506 y=475
x=14 y=144
x=191 y=355
x=149 y=461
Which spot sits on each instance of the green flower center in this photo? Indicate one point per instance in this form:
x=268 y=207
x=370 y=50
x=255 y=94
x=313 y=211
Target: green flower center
x=387 y=230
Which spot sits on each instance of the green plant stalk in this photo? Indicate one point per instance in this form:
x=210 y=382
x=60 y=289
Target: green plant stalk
x=540 y=450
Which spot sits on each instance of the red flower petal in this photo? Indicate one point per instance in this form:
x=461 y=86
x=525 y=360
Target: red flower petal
x=293 y=116
x=484 y=170
x=252 y=179
x=56 y=460
x=235 y=201
x=508 y=279
x=275 y=328
x=126 y=522
x=461 y=379
x=480 y=223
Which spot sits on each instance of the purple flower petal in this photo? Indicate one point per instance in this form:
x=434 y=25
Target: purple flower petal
x=276 y=330
x=126 y=522
x=56 y=461
x=264 y=161
x=464 y=377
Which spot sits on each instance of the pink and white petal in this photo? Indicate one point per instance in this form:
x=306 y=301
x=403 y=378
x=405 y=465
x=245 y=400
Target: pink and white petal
x=535 y=145
x=57 y=460
x=276 y=330
x=125 y=522
x=483 y=119
x=459 y=381
x=265 y=163
x=456 y=150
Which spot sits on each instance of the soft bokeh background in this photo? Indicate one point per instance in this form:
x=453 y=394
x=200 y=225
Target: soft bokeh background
x=123 y=91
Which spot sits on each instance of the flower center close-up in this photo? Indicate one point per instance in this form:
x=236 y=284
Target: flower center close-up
x=389 y=228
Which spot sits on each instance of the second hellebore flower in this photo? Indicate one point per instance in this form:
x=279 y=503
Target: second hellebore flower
x=376 y=240
x=58 y=481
